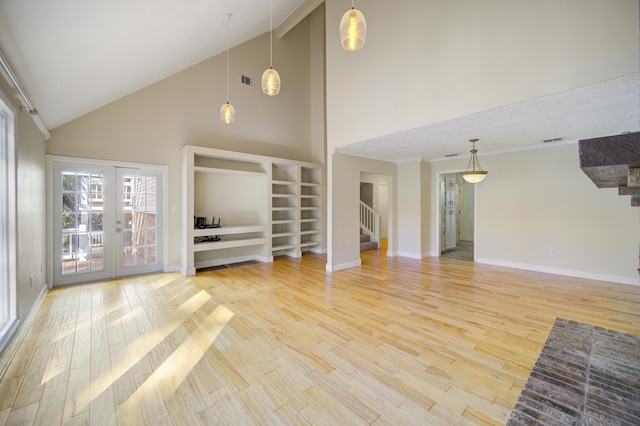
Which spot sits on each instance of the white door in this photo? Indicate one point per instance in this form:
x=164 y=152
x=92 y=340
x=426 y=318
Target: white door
x=450 y=212
x=106 y=222
x=466 y=211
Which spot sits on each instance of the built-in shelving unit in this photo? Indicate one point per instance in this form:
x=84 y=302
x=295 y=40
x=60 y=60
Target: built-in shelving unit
x=266 y=207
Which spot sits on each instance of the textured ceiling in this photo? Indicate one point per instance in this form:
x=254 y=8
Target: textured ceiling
x=74 y=56
x=607 y=108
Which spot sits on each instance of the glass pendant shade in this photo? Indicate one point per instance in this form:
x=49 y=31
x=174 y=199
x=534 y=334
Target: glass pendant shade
x=227 y=113
x=474 y=177
x=353 y=30
x=271 y=82
x=474 y=173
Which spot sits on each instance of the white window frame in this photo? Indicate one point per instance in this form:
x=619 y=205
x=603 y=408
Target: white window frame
x=8 y=278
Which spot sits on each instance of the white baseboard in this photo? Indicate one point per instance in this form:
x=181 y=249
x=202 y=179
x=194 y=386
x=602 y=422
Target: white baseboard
x=231 y=260
x=561 y=271
x=340 y=267
x=187 y=272
x=410 y=255
x=318 y=250
x=173 y=268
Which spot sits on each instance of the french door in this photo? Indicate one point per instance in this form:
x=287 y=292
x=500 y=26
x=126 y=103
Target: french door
x=107 y=221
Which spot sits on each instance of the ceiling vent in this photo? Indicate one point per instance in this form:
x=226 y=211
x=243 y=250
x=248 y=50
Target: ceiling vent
x=246 y=80
x=553 y=140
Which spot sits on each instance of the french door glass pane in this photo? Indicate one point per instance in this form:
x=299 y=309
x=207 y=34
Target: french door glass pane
x=139 y=227
x=82 y=222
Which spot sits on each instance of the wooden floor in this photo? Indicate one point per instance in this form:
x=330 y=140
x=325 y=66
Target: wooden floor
x=395 y=342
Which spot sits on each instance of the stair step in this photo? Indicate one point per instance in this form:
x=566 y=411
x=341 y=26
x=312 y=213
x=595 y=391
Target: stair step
x=364 y=238
x=369 y=245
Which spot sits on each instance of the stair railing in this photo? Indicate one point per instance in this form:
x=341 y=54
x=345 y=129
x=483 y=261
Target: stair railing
x=370 y=222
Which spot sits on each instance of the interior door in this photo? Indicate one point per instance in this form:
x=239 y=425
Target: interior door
x=466 y=211
x=106 y=221
x=450 y=212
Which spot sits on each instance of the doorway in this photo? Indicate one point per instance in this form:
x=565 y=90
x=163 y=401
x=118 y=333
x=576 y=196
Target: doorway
x=457 y=217
x=107 y=221
x=374 y=194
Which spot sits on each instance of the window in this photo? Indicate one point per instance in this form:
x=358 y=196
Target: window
x=7 y=224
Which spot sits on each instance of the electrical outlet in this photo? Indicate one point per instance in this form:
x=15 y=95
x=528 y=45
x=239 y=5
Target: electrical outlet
x=554 y=252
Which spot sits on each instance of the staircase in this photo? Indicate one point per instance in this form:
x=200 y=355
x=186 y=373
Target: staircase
x=366 y=243
x=369 y=228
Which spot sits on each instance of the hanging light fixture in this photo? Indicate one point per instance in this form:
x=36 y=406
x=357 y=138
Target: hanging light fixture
x=227 y=112
x=270 y=77
x=474 y=173
x=353 y=29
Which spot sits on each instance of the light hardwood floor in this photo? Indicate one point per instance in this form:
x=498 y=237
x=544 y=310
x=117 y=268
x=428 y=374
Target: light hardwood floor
x=396 y=341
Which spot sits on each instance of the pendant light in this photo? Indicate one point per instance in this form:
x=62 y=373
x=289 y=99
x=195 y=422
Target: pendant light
x=353 y=29
x=227 y=112
x=474 y=173
x=270 y=77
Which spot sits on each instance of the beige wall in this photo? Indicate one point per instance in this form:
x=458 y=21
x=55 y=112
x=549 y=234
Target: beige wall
x=410 y=210
x=30 y=210
x=151 y=125
x=537 y=200
x=428 y=61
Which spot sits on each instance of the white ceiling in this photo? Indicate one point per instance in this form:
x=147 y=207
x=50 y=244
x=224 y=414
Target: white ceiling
x=74 y=56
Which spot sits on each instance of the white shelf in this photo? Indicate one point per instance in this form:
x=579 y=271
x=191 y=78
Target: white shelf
x=309 y=243
x=283 y=234
x=229 y=230
x=282 y=182
x=310 y=232
x=221 y=171
x=309 y=184
x=218 y=245
x=309 y=220
x=284 y=222
x=283 y=195
x=309 y=208
x=283 y=209
x=282 y=247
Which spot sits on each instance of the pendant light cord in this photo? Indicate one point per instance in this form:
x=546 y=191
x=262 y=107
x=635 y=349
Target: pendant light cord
x=226 y=18
x=271 y=37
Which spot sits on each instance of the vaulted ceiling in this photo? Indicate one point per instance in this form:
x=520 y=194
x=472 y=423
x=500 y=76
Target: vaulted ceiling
x=74 y=56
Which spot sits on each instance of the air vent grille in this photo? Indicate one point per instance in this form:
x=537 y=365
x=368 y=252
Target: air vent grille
x=246 y=80
x=552 y=140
